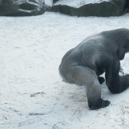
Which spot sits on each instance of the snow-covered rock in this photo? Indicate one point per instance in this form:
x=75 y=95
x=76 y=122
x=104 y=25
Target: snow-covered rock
x=78 y=3
x=49 y=3
x=90 y=7
x=69 y=7
x=21 y=7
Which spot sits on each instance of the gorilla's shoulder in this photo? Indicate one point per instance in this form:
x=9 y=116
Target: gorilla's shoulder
x=116 y=31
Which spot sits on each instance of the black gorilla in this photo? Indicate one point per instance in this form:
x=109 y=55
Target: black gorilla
x=95 y=55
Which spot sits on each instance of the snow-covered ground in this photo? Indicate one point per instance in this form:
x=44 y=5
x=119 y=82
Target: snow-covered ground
x=32 y=94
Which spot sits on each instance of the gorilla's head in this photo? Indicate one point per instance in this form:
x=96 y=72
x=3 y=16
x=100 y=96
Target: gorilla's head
x=123 y=43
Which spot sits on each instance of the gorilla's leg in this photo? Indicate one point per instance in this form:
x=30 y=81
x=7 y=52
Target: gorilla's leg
x=85 y=76
x=65 y=56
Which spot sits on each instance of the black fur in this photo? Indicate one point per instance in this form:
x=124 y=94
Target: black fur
x=95 y=55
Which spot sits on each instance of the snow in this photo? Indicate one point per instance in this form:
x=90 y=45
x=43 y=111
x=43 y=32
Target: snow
x=48 y=2
x=32 y=94
x=78 y=3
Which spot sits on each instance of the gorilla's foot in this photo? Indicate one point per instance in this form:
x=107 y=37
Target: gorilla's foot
x=101 y=104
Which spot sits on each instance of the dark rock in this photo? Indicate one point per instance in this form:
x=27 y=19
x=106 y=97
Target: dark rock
x=34 y=1
x=28 y=6
x=21 y=7
x=104 y=8
x=37 y=7
x=126 y=7
x=54 y=1
x=7 y=7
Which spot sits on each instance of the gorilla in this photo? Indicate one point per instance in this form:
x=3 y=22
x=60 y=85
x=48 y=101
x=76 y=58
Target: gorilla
x=95 y=55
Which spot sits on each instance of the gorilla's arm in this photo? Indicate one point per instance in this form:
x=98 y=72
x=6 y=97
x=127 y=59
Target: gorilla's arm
x=116 y=83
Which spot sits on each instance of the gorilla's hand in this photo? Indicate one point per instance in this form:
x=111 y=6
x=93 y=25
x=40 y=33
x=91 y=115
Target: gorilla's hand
x=127 y=78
